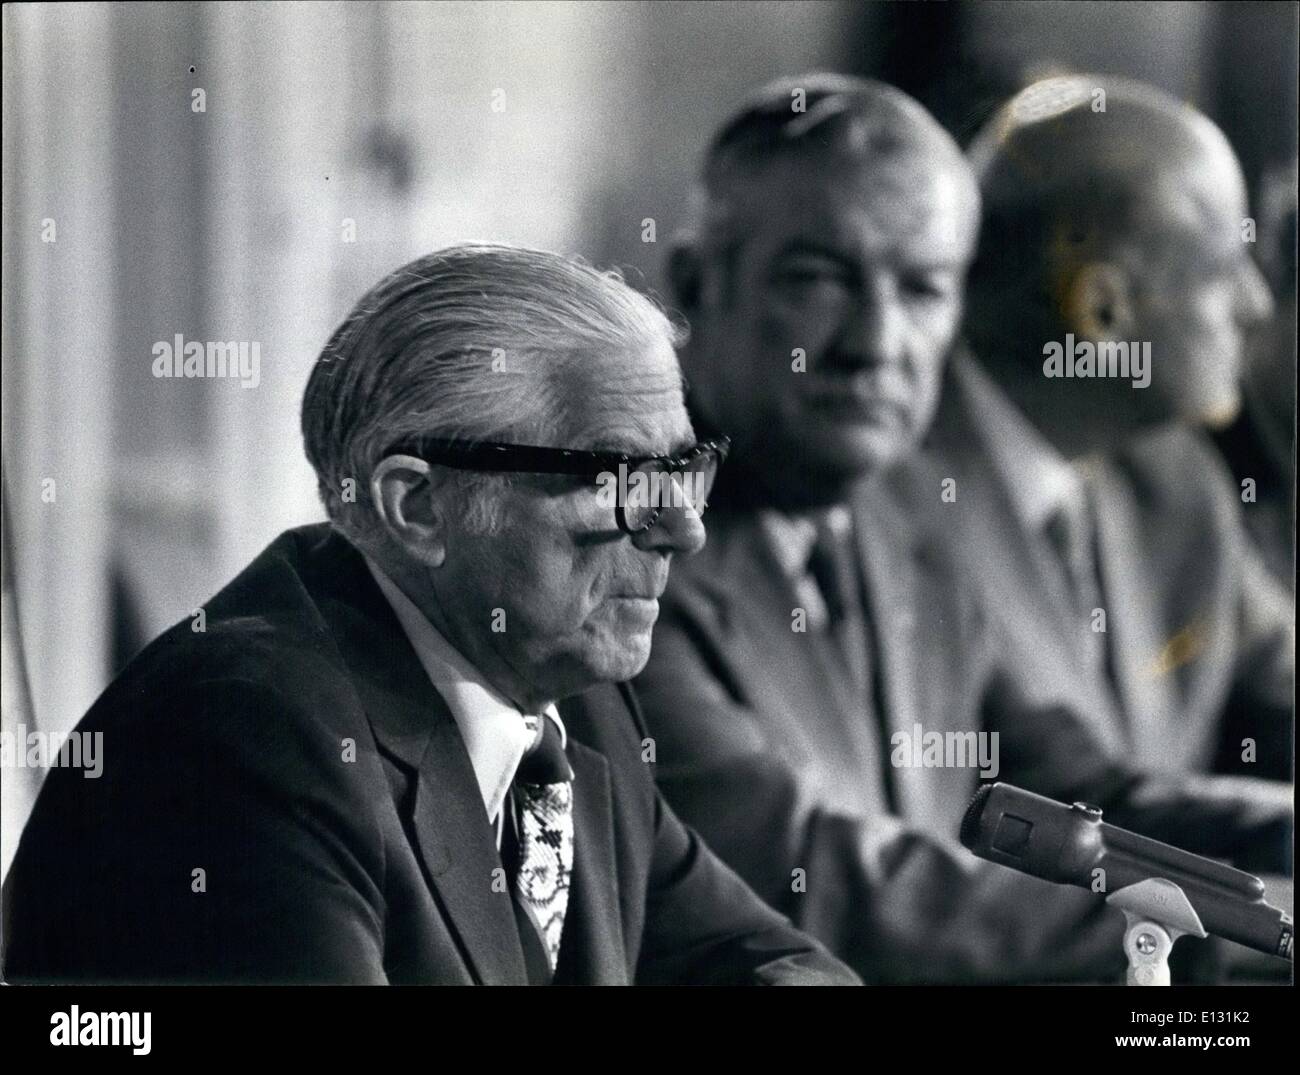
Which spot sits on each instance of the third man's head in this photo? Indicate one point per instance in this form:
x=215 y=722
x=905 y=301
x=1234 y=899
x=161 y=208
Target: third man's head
x=1113 y=214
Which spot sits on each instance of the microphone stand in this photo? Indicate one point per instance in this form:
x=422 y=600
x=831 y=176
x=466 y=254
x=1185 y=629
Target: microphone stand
x=1157 y=913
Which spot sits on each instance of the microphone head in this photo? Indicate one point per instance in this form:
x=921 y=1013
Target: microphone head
x=1072 y=845
x=970 y=820
x=1028 y=832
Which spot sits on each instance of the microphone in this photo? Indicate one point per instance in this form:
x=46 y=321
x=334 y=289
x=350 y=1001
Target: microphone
x=1068 y=844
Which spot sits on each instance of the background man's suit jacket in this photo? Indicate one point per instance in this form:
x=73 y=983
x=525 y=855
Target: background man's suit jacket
x=780 y=770
x=1201 y=637
x=297 y=754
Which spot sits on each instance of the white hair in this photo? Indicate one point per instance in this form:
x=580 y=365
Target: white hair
x=475 y=342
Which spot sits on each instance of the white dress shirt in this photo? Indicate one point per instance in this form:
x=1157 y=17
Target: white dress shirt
x=792 y=538
x=496 y=732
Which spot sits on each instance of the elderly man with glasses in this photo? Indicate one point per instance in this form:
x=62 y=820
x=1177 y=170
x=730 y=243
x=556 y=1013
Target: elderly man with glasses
x=403 y=748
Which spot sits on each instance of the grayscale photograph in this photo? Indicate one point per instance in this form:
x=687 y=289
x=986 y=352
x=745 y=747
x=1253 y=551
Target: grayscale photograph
x=649 y=493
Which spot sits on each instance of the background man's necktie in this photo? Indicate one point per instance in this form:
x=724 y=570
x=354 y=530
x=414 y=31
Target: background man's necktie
x=543 y=794
x=836 y=569
x=833 y=565
x=1072 y=533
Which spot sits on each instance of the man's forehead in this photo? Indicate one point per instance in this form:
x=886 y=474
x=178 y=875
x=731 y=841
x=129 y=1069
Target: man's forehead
x=630 y=401
x=912 y=200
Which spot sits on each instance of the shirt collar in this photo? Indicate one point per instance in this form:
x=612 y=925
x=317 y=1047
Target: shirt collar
x=792 y=537
x=495 y=731
x=1039 y=479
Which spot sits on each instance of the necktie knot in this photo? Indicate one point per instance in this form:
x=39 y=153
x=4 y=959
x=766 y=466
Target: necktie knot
x=831 y=568
x=545 y=761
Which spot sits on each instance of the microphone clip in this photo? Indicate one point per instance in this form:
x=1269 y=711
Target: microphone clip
x=1157 y=913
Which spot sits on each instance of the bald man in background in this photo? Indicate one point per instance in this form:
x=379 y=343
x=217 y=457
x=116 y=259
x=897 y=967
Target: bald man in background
x=1259 y=445
x=820 y=633
x=1092 y=510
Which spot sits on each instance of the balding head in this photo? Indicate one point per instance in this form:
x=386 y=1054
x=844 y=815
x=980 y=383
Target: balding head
x=823 y=120
x=1112 y=212
x=833 y=221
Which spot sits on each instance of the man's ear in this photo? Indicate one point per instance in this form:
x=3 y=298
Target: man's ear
x=685 y=273
x=404 y=491
x=1098 y=305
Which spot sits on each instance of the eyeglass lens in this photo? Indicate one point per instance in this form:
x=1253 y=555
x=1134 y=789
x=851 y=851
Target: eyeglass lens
x=662 y=486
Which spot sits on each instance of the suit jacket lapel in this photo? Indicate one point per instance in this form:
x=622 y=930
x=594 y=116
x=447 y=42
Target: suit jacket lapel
x=755 y=579
x=984 y=509
x=888 y=614
x=783 y=671
x=1171 y=621
x=457 y=844
x=1134 y=628
x=447 y=823
x=592 y=951
x=1027 y=590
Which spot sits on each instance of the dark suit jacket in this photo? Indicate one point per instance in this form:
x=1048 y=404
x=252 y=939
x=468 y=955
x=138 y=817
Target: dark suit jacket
x=1253 y=450
x=760 y=749
x=1201 y=637
x=296 y=753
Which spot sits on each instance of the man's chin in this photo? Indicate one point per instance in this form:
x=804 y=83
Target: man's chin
x=848 y=455
x=616 y=662
x=631 y=660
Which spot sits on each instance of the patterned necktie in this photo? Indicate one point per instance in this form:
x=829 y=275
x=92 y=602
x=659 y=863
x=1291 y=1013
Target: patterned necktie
x=543 y=792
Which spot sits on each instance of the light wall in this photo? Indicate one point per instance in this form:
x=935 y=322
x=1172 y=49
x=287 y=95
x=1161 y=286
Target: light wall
x=401 y=126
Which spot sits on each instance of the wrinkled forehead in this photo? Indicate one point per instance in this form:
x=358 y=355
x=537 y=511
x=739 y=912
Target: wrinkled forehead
x=917 y=200
x=628 y=400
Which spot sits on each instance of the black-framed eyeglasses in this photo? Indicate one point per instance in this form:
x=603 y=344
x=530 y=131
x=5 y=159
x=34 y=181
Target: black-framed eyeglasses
x=639 y=487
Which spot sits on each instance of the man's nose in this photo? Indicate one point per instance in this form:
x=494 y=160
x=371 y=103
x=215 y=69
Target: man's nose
x=874 y=332
x=678 y=529
x=1254 y=300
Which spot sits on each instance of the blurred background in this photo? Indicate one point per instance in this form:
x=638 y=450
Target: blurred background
x=339 y=140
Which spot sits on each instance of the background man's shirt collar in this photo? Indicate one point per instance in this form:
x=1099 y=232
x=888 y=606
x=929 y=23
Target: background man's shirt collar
x=1039 y=479
x=792 y=537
